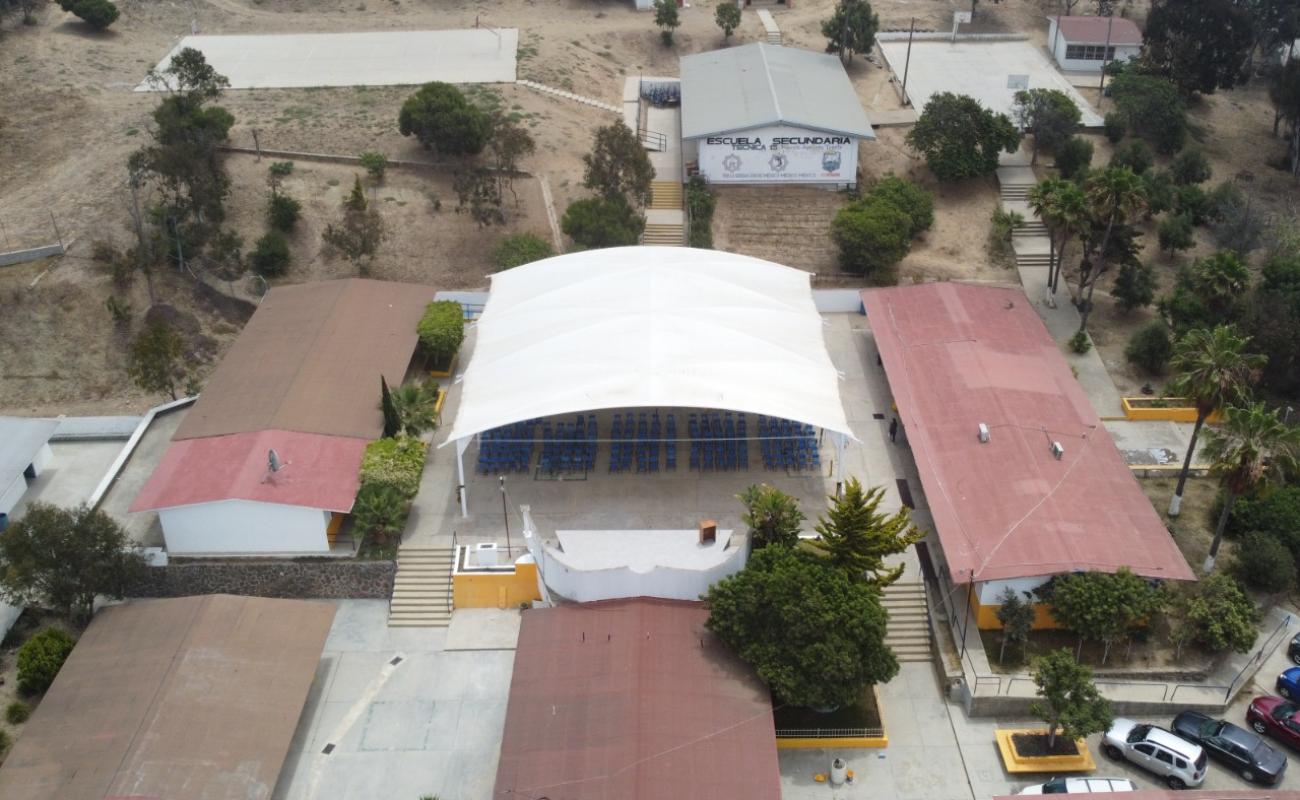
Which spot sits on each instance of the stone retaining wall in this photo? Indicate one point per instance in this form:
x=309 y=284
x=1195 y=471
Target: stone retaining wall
x=325 y=580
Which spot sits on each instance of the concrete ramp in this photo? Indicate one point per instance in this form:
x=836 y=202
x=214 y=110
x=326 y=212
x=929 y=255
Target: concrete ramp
x=399 y=58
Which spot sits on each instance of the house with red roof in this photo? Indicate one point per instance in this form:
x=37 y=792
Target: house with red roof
x=302 y=381
x=1084 y=44
x=1023 y=481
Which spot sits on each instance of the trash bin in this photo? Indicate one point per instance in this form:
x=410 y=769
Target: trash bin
x=839 y=771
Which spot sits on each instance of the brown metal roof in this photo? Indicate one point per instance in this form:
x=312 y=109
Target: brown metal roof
x=957 y=356
x=634 y=699
x=310 y=359
x=185 y=698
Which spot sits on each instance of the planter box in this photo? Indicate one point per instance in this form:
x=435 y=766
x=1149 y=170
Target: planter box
x=451 y=367
x=1138 y=408
x=1017 y=763
x=799 y=738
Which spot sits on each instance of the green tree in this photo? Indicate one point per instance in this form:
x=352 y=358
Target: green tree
x=960 y=138
x=41 y=659
x=1135 y=286
x=439 y=116
x=378 y=511
x=271 y=256
x=63 y=558
x=772 y=515
x=1116 y=125
x=1073 y=156
x=1250 y=449
x=1137 y=157
x=441 y=330
x=727 y=17
x=1070 y=700
x=1198 y=45
x=414 y=403
x=1153 y=109
x=282 y=211
x=871 y=236
x=1175 y=233
x=1062 y=207
x=1017 y=619
x=1104 y=606
x=618 y=166
x=156 y=362
x=856 y=537
x=1048 y=114
x=509 y=143
x=1159 y=187
x=906 y=196
x=1285 y=95
x=598 y=222
x=850 y=29
x=98 y=14
x=1265 y=563
x=667 y=19
x=1191 y=166
x=374 y=163
x=519 y=249
x=814 y=636
x=358 y=235
x=1219 y=279
x=1221 y=615
x=1114 y=196
x=479 y=191
x=1150 y=347
x=392 y=421
x=1211 y=370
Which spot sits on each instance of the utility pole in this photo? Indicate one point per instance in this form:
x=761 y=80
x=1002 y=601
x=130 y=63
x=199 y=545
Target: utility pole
x=911 y=29
x=505 y=514
x=1105 y=58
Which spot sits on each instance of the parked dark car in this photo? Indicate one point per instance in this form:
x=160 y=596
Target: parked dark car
x=1293 y=649
x=1243 y=751
x=1276 y=717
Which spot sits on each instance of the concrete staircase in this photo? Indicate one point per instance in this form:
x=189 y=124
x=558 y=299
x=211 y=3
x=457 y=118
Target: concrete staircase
x=420 y=588
x=577 y=98
x=770 y=29
x=666 y=195
x=664 y=215
x=663 y=235
x=909 y=621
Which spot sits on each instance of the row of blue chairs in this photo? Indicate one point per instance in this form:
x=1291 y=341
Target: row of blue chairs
x=508 y=448
x=569 y=447
x=788 y=445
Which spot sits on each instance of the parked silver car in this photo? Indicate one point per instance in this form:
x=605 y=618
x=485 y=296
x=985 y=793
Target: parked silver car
x=1180 y=762
x=1082 y=786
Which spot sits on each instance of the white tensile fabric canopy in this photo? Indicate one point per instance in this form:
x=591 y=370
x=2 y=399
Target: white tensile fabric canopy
x=638 y=327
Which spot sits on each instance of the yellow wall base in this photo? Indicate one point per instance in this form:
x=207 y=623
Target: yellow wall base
x=1014 y=763
x=499 y=589
x=986 y=617
x=451 y=368
x=795 y=743
x=1173 y=412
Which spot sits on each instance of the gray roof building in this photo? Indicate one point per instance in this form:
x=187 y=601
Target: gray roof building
x=760 y=85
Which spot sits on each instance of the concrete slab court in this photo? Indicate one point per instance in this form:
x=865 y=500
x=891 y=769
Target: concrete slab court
x=398 y=58
x=980 y=69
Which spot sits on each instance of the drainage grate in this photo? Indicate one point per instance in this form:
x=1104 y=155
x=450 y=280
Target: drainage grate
x=905 y=493
x=396 y=661
x=329 y=748
x=877 y=416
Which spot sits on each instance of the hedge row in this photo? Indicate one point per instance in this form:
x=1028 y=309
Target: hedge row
x=396 y=463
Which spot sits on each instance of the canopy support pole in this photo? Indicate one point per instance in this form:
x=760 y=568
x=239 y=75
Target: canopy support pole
x=839 y=458
x=462 y=445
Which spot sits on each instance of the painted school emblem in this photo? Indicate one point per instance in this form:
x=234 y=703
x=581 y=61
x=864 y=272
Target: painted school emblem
x=778 y=162
x=731 y=163
x=831 y=160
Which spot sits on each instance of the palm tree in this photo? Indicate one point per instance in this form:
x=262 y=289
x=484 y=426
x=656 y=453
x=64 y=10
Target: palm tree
x=1219 y=279
x=414 y=403
x=1114 y=195
x=1042 y=198
x=1250 y=449
x=1213 y=370
x=1071 y=213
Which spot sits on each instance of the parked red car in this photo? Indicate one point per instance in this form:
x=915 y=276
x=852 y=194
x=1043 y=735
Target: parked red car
x=1276 y=717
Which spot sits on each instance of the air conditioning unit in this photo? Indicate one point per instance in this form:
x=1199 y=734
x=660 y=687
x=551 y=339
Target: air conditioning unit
x=984 y=432
x=1057 y=450
x=487 y=555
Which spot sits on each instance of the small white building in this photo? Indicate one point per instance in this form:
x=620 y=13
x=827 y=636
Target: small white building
x=24 y=452
x=1080 y=43
x=768 y=115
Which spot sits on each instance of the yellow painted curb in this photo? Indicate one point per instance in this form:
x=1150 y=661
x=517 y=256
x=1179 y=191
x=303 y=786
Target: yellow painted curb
x=796 y=744
x=1172 y=413
x=451 y=368
x=1014 y=763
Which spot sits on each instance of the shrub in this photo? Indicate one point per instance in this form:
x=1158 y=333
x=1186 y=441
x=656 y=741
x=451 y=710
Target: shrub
x=871 y=236
x=271 y=255
x=1150 y=347
x=395 y=463
x=1116 y=127
x=19 y=712
x=701 y=202
x=282 y=212
x=1175 y=233
x=40 y=660
x=380 y=510
x=520 y=249
x=1222 y=197
x=1275 y=514
x=374 y=163
x=1159 y=186
x=1264 y=563
x=598 y=222
x=1137 y=157
x=1192 y=201
x=96 y=13
x=281 y=168
x=1190 y=166
x=1080 y=343
x=1135 y=286
x=907 y=197
x=441 y=329
x=1074 y=155
x=1152 y=108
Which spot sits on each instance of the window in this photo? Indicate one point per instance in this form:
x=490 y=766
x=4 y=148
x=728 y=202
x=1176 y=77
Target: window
x=1145 y=749
x=1055 y=787
x=1181 y=764
x=1088 y=52
x=1165 y=756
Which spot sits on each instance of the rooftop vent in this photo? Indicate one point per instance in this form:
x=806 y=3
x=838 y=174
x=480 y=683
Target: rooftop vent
x=984 y=432
x=1057 y=450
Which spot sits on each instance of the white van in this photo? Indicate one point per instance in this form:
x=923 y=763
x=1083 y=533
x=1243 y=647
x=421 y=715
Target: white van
x=1082 y=786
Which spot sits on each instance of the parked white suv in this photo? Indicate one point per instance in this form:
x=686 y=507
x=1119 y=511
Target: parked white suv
x=1180 y=762
x=1082 y=786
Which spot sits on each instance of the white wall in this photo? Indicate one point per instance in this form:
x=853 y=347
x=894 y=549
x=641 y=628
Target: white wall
x=12 y=494
x=988 y=591
x=42 y=458
x=234 y=527
x=1057 y=44
x=762 y=156
x=587 y=586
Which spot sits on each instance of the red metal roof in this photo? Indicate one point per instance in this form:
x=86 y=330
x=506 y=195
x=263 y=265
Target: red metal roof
x=634 y=699
x=957 y=356
x=322 y=471
x=1092 y=30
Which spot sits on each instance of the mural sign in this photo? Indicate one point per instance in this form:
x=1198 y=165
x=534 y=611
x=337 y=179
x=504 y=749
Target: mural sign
x=779 y=155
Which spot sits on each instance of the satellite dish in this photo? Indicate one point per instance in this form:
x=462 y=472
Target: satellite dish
x=273 y=461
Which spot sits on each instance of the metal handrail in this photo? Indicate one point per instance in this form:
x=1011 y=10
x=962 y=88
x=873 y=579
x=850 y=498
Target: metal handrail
x=830 y=733
x=451 y=575
x=649 y=137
